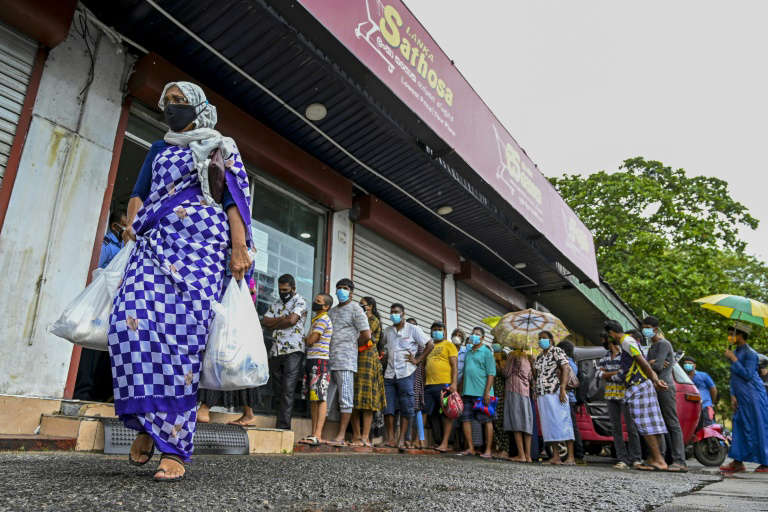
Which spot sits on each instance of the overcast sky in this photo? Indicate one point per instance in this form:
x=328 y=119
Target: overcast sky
x=583 y=85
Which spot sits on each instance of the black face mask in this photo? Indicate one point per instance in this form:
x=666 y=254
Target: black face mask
x=316 y=306
x=180 y=115
x=286 y=296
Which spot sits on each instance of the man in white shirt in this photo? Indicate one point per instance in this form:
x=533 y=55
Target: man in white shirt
x=403 y=341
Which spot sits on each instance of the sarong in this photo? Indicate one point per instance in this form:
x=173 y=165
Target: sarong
x=555 y=418
x=518 y=415
x=163 y=309
x=644 y=408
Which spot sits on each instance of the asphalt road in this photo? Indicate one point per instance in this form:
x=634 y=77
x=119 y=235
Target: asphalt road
x=89 y=482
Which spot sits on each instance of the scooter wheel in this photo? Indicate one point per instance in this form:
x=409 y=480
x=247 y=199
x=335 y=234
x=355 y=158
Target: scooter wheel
x=710 y=451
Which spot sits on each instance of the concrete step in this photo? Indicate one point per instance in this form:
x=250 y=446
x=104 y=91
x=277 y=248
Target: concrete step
x=36 y=443
x=21 y=414
x=87 y=430
x=269 y=441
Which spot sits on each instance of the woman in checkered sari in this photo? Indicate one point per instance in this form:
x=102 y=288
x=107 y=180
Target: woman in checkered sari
x=163 y=310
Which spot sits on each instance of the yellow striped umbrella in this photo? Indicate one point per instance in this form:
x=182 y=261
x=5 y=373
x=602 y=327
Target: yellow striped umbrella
x=737 y=308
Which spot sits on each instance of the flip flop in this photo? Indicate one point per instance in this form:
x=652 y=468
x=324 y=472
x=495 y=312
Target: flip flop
x=676 y=468
x=731 y=469
x=337 y=443
x=368 y=444
x=465 y=454
x=160 y=470
x=648 y=467
x=357 y=444
x=310 y=440
x=241 y=423
x=149 y=454
x=484 y=456
x=441 y=450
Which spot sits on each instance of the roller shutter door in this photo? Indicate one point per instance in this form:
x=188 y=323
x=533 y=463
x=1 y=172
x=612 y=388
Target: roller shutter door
x=390 y=274
x=473 y=306
x=17 y=56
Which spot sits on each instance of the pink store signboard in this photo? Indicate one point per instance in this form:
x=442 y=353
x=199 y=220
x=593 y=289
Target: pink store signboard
x=390 y=41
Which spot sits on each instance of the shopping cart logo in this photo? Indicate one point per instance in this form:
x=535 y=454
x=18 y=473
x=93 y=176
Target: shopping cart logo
x=367 y=30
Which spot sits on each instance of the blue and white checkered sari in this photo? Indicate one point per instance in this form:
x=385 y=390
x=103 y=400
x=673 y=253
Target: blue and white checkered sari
x=159 y=325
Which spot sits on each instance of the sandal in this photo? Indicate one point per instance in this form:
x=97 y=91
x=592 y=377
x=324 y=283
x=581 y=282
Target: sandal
x=174 y=458
x=733 y=468
x=148 y=454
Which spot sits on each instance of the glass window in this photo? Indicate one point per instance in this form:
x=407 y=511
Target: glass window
x=290 y=237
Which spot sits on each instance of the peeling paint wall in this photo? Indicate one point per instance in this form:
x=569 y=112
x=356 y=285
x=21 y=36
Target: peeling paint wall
x=47 y=238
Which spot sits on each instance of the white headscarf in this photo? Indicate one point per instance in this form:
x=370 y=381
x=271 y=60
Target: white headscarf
x=203 y=139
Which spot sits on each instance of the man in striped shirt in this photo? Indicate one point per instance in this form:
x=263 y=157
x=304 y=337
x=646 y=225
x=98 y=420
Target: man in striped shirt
x=317 y=376
x=609 y=369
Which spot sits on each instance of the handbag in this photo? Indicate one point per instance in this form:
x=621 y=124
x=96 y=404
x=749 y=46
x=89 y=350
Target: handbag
x=489 y=409
x=217 y=180
x=573 y=380
x=451 y=404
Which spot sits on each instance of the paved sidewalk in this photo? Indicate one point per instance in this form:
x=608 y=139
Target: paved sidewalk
x=744 y=492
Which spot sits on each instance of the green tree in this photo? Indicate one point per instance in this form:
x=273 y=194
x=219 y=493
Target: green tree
x=664 y=239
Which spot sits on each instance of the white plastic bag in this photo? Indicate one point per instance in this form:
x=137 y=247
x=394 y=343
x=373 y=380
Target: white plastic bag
x=235 y=356
x=85 y=321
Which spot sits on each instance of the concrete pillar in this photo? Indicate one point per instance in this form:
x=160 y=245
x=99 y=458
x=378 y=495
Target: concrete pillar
x=52 y=218
x=342 y=241
x=449 y=303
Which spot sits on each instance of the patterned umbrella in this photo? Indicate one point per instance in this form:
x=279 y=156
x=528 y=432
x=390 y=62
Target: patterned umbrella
x=737 y=308
x=520 y=329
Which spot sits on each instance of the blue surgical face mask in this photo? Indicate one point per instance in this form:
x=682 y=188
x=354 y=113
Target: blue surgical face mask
x=342 y=295
x=648 y=332
x=544 y=343
x=395 y=317
x=437 y=335
x=688 y=367
x=474 y=339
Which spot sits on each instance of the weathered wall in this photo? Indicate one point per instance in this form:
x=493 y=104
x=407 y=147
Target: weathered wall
x=47 y=238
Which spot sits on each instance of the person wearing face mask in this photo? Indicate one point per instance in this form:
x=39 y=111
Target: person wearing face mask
x=706 y=387
x=609 y=369
x=317 y=377
x=351 y=332
x=369 y=379
x=661 y=357
x=94 y=374
x=403 y=342
x=442 y=375
x=749 y=400
x=458 y=339
x=476 y=385
x=552 y=371
x=640 y=395
x=186 y=241
x=286 y=317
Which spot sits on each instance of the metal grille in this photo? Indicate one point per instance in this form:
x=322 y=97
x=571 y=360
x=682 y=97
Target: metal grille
x=473 y=306
x=17 y=55
x=390 y=274
x=210 y=439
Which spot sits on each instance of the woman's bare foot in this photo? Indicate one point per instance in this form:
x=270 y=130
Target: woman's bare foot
x=246 y=420
x=203 y=414
x=518 y=458
x=169 y=469
x=141 y=448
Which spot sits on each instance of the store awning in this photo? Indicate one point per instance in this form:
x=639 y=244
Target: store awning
x=297 y=57
x=584 y=309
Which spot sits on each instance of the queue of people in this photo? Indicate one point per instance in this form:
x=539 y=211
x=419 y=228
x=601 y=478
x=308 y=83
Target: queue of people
x=191 y=236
